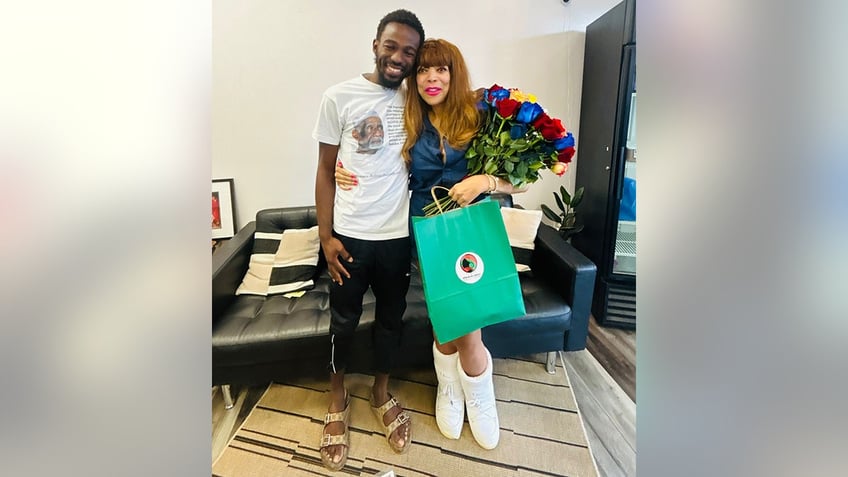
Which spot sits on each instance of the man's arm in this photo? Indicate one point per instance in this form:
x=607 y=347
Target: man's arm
x=325 y=194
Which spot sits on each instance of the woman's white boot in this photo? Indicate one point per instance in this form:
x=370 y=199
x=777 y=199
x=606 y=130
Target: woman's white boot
x=480 y=404
x=450 y=401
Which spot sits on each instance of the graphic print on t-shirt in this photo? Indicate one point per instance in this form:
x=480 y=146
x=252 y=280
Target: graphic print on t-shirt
x=368 y=133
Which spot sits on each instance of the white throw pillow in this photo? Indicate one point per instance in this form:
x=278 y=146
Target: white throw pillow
x=521 y=227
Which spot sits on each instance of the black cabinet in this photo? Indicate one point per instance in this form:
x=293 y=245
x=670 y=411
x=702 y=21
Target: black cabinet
x=606 y=165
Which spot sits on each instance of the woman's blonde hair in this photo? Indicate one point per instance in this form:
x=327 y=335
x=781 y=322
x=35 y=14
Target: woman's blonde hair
x=460 y=104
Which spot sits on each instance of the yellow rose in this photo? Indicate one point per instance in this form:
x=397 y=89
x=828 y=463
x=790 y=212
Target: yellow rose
x=559 y=168
x=521 y=97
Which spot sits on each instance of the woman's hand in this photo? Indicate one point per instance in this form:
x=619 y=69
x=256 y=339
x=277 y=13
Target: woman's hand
x=469 y=188
x=345 y=179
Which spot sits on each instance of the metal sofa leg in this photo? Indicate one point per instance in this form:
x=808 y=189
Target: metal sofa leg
x=550 y=365
x=228 y=398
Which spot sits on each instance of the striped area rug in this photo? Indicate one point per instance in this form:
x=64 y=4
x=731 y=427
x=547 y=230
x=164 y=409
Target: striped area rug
x=541 y=430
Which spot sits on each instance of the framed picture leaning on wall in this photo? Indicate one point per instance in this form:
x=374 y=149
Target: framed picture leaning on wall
x=223 y=218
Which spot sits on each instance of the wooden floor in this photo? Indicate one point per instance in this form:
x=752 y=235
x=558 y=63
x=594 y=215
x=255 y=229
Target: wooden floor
x=615 y=350
x=603 y=378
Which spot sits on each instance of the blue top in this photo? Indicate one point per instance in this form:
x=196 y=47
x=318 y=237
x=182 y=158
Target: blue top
x=427 y=168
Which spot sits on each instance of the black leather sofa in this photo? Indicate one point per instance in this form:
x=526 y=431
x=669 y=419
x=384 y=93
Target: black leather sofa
x=256 y=339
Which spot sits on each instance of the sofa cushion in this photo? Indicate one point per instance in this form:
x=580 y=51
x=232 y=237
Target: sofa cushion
x=279 y=331
x=257 y=329
x=282 y=262
x=280 y=336
x=521 y=227
x=260 y=338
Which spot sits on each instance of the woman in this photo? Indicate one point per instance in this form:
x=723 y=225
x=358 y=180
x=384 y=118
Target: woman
x=440 y=122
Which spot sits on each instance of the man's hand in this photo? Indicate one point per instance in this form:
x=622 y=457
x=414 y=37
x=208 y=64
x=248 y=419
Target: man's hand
x=333 y=249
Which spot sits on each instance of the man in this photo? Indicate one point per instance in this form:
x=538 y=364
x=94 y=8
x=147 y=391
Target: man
x=364 y=231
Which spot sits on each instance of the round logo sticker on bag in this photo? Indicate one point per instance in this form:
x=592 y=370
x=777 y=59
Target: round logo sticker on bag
x=469 y=267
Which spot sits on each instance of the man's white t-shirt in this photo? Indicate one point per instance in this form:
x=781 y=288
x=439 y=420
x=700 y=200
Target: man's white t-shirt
x=366 y=121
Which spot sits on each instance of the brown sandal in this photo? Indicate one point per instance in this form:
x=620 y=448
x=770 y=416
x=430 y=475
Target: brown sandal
x=401 y=419
x=338 y=439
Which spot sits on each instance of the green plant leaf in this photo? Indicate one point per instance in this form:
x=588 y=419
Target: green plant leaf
x=509 y=166
x=559 y=202
x=550 y=214
x=504 y=138
x=578 y=196
x=566 y=232
x=566 y=197
x=522 y=168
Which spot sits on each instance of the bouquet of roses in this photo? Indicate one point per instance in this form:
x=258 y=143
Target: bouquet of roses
x=516 y=141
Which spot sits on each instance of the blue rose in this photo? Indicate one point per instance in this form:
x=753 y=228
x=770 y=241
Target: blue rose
x=499 y=94
x=517 y=131
x=496 y=95
x=528 y=112
x=564 y=142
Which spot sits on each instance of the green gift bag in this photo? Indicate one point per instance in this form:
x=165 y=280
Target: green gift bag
x=468 y=269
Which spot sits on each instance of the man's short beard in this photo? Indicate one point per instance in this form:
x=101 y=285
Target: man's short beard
x=388 y=84
x=385 y=82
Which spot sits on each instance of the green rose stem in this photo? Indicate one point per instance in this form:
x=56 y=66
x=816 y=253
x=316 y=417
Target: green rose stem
x=498 y=135
x=500 y=128
x=484 y=161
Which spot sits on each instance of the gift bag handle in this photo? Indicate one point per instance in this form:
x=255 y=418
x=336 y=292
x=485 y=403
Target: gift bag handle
x=433 y=193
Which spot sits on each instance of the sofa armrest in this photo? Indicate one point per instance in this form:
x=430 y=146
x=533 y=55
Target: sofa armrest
x=229 y=264
x=572 y=274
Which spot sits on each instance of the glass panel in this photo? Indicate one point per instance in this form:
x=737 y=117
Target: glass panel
x=624 y=261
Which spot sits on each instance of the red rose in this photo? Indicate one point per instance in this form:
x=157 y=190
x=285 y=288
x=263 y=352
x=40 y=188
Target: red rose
x=550 y=128
x=495 y=88
x=540 y=119
x=566 y=154
x=559 y=126
x=507 y=107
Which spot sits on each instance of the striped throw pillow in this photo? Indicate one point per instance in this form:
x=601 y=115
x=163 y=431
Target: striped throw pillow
x=282 y=262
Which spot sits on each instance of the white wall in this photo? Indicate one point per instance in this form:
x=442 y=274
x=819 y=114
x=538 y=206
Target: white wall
x=272 y=60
